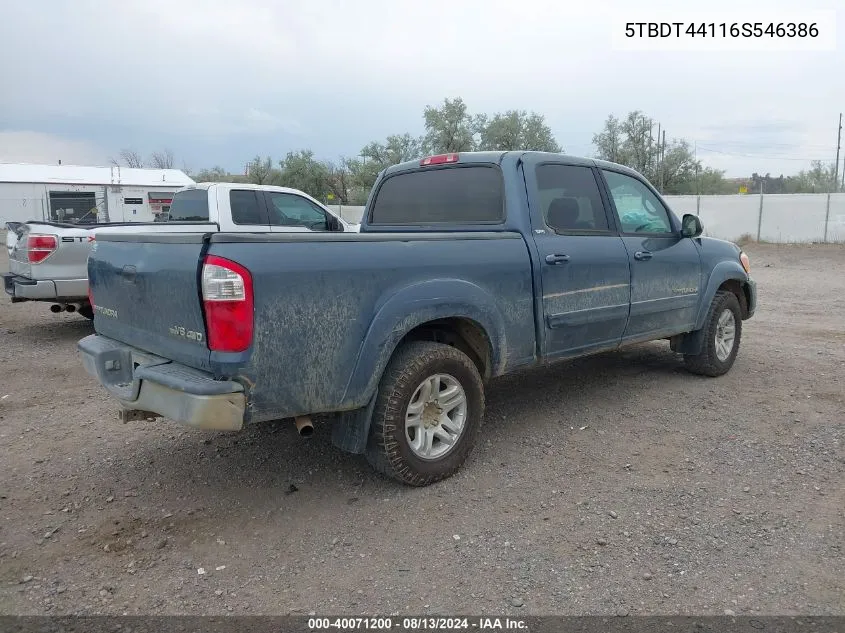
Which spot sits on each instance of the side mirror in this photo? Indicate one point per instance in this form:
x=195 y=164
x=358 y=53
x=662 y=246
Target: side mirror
x=691 y=226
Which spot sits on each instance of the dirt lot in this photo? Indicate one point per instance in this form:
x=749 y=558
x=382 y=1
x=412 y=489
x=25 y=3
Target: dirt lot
x=613 y=485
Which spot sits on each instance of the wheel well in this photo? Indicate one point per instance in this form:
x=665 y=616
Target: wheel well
x=463 y=334
x=742 y=294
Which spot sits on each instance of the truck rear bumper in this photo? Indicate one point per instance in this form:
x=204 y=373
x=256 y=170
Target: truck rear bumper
x=148 y=384
x=27 y=289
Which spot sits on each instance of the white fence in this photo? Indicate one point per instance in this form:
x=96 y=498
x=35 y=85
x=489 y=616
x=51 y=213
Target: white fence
x=780 y=218
x=348 y=213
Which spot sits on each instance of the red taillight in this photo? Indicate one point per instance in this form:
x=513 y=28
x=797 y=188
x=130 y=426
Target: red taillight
x=439 y=159
x=228 y=302
x=90 y=295
x=40 y=247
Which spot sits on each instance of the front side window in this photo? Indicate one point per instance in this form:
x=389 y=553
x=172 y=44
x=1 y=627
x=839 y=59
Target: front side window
x=291 y=210
x=637 y=208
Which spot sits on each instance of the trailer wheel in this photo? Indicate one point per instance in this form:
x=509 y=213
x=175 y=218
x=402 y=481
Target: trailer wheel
x=428 y=412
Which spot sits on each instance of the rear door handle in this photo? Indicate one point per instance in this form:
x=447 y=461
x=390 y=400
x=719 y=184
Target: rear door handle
x=642 y=256
x=557 y=259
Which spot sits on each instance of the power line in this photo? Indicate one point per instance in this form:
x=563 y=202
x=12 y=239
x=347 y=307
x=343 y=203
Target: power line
x=762 y=156
x=763 y=144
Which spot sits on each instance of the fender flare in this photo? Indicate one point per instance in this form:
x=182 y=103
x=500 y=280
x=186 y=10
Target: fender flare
x=692 y=342
x=412 y=306
x=722 y=272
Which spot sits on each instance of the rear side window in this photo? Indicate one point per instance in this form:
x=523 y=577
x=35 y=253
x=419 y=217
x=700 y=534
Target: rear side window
x=570 y=199
x=455 y=195
x=190 y=205
x=246 y=209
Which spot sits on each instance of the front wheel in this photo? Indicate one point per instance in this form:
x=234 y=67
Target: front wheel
x=722 y=332
x=427 y=415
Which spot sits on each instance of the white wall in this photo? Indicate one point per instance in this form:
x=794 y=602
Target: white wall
x=348 y=213
x=20 y=202
x=783 y=218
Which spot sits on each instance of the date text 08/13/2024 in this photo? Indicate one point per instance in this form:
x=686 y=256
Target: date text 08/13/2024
x=417 y=624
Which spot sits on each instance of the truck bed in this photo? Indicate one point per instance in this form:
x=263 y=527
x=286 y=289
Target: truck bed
x=318 y=298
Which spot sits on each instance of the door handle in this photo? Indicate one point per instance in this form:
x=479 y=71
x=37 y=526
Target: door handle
x=557 y=259
x=642 y=256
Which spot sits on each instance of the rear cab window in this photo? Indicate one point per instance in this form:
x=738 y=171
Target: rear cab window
x=570 y=200
x=190 y=205
x=472 y=194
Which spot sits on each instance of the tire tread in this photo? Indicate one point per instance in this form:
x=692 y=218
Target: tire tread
x=409 y=361
x=706 y=363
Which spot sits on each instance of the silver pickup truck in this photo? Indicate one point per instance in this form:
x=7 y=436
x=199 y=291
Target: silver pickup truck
x=48 y=261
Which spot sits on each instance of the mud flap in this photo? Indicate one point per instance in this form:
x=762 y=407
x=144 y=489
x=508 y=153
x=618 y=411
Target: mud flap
x=351 y=429
x=690 y=343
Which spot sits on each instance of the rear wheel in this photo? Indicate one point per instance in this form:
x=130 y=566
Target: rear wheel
x=428 y=412
x=722 y=332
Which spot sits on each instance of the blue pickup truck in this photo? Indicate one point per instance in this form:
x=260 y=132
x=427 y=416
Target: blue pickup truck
x=467 y=266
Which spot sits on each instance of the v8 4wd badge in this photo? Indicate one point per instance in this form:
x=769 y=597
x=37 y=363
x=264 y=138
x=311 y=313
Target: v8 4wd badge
x=178 y=330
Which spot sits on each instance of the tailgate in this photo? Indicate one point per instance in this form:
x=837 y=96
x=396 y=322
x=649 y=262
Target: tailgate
x=146 y=293
x=66 y=260
x=16 y=246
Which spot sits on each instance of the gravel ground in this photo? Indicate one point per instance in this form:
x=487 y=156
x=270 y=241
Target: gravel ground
x=618 y=484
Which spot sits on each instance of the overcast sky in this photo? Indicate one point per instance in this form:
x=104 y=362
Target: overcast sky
x=219 y=81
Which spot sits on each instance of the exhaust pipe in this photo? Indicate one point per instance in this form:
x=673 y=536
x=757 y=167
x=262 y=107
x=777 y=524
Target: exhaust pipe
x=70 y=308
x=56 y=308
x=304 y=426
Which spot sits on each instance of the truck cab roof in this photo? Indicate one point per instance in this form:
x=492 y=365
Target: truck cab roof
x=499 y=157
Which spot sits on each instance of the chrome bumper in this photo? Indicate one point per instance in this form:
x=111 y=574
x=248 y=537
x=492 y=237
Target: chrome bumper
x=26 y=289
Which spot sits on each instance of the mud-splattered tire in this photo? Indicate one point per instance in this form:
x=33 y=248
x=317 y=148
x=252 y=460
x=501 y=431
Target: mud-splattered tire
x=407 y=414
x=724 y=321
x=87 y=311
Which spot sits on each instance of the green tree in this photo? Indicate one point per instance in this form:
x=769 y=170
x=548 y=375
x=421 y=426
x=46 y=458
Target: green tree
x=711 y=182
x=609 y=141
x=377 y=156
x=339 y=180
x=449 y=127
x=300 y=170
x=517 y=130
x=260 y=171
x=818 y=179
x=677 y=167
x=629 y=142
x=214 y=174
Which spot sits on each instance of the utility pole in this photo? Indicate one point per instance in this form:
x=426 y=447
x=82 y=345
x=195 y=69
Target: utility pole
x=662 y=161
x=650 y=141
x=695 y=161
x=838 y=145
